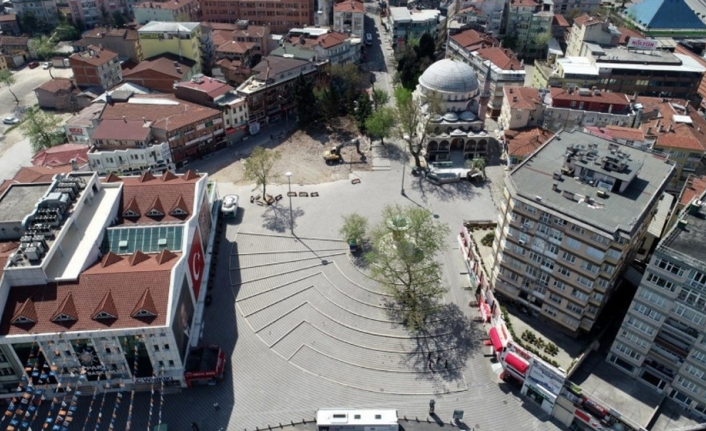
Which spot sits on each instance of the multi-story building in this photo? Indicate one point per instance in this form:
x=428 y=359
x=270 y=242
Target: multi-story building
x=279 y=16
x=520 y=143
x=113 y=305
x=462 y=44
x=574 y=214
x=160 y=73
x=558 y=108
x=168 y=11
x=45 y=11
x=240 y=43
x=593 y=30
x=96 y=67
x=269 y=91
x=123 y=41
x=658 y=73
x=93 y=12
x=15 y=50
x=190 y=130
x=662 y=342
x=565 y=6
x=527 y=21
x=327 y=45
x=349 y=18
x=407 y=24
x=179 y=38
x=505 y=71
x=674 y=129
x=485 y=15
x=9 y=24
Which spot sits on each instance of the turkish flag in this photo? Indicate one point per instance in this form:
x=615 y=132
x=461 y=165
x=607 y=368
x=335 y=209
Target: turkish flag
x=196 y=264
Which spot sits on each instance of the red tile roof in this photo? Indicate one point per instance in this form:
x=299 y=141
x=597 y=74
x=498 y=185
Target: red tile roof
x=586 y=20
x=522 y=97
x=164 y=64
x=56 y=85
x=100 y=56
x=167 y=5
x=210 y=86
x=331 y=39
x=609 y=98
x=503 y=58
x=523 y=142
x=627 y=33
x=101 y=32
x=61 y=155
x=126 y=285
x=560 y=21
x=473 y=40
x=10 y=17
x=349 y=6
x=702 y=84
x=35 y=174
x=125 y=130
x=234 y=47
x=163 y=116
x=164 y=194
x=659 y=114
x=694 y=187
x=627 y=133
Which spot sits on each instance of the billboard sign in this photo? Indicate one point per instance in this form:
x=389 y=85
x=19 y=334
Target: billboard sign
x=643 y=44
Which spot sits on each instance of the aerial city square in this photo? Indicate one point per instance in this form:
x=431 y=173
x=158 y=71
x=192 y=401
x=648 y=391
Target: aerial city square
x=235 y=215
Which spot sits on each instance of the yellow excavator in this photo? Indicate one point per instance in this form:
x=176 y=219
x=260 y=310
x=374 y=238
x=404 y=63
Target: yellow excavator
x=334 y=154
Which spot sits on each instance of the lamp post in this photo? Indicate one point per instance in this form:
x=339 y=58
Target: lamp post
x=289 y=195
x=404 y=161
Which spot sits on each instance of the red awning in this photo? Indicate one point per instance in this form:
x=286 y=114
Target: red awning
x=519 y=364
x=495 y=339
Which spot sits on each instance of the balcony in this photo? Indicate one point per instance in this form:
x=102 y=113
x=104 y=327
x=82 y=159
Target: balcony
x=661 y=370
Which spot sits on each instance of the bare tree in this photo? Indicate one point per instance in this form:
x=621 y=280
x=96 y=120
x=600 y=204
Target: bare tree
x=414 y=119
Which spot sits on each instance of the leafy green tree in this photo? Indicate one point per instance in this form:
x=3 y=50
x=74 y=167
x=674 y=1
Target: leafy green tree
x=477 y=164
x=347 y=81
x=305 y=101
x=426 y=47
x=258 y=166
x=403 y=259
x=364 y=109
x=413 y=124
x=28 y=22
x=43 y=129
x=380 y=98
x=7 y=78
x=354 y=228
x=118 y=19
x=407 y=67
x=67 y=32
x=44 y=47
x=328 y=103
x=510 y=42
x=380 y=123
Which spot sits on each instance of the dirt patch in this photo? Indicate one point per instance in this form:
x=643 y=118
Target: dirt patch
x=302 y=154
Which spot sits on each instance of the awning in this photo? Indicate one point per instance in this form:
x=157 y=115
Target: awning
x=495 y=339
x=517 y=363
x=485 y=312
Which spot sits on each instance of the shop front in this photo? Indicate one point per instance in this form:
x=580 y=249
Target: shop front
x=543 y=384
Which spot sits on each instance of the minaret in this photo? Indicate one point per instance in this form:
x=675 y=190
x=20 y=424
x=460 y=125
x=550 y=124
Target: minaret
x=484 y=97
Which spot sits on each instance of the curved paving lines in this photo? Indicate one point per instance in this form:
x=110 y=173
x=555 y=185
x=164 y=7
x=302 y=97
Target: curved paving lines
x=308 y=303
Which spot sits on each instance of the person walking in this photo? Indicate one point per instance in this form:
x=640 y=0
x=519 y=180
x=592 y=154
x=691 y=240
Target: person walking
x=216 y=407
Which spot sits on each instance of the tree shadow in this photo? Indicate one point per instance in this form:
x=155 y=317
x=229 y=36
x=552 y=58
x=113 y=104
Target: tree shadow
x=445 y=192
x=277 y=218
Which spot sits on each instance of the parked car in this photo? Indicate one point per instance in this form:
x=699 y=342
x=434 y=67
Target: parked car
x=368 y=39
x=10 y=120
x=46 y=65
x=33 y=65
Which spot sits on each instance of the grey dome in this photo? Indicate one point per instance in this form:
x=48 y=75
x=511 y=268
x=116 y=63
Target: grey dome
x=450 y=76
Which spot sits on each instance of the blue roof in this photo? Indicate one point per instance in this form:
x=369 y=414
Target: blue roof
x=665 y=14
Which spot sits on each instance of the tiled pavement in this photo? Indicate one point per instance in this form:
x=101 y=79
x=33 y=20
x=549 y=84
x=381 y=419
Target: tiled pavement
x=305 y=328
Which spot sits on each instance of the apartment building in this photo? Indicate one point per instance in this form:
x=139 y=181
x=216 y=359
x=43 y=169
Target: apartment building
x=559 y=108
x=676 y=130
x=587 y=28
x=161 y=73
x=168 y=11
x=46 y=11
x=565 y=6
x=241 y=42
x=525 y=21
x=96 y=67
x=662 y=342
x=178 y=38
x=407 y=24
x=279 y=16
x=574 y=214
x=464 y=43
x=349 y=18
x=125 y=42
x=485 y=15
x=14 y=50
x=9 y=24
x=93 y=12
x=326 y=45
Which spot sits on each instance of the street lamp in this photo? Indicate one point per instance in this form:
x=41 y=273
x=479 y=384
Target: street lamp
x=291 y=218
x=404 y=160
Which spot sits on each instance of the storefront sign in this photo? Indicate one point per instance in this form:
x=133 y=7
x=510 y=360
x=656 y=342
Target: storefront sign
x=548 y=378
x=519 y=351
x=154 y=379
x=76 y=131
x=643 y=44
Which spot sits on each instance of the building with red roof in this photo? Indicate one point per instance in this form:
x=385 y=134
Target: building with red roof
x=62 y=155
x=161 y=72
x=349 y=18
x=519 y=144
x=96 y=67
x=121 y=260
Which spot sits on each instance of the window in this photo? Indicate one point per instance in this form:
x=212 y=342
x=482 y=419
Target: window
x=688 y=314
x=600 y=239
x=627 y=351
x=699 y=356
x=573 y=243
x=171 y=363
x=692 y=297
x=571 y=258
x=575 y=308
x=621 y=363
x=697 y=279
x=598 y=296
x=560 y=285
x=694 y=371
x=669 y=267
x=602 y=282
x=156 y=348
x=687 y=384
x=590 y=267
x=678 y=396
x=580 y=295
x=647 y=311
x=166 y=347
x=584 y=281
x=640 y=325
x=613 y=253
x=634 y=338
x=608 y=268
x=555 y=298
x=595 y=253
x=550 y=310
x=530 y=208
x=652 y=297
x=592 y=310
x=660 y=282
x=578 y=229
x=563 y=271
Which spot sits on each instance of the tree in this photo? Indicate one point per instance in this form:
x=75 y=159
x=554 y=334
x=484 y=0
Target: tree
x=510 y=42
x=328 y=103
x=305 y=101
x=259 y=165
x=380 y=98
x=380 y=123
x=426 y=47
x=28 y=22
x=363 y=110
x=541 y=40
x=43 y=129
x=403 y=260
x=477 y=164
x=347 y=81
x=43 y=47
x=118 y=19
x=354 y=228
x=7 y=78
x=407 y=67
x=413 y=123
